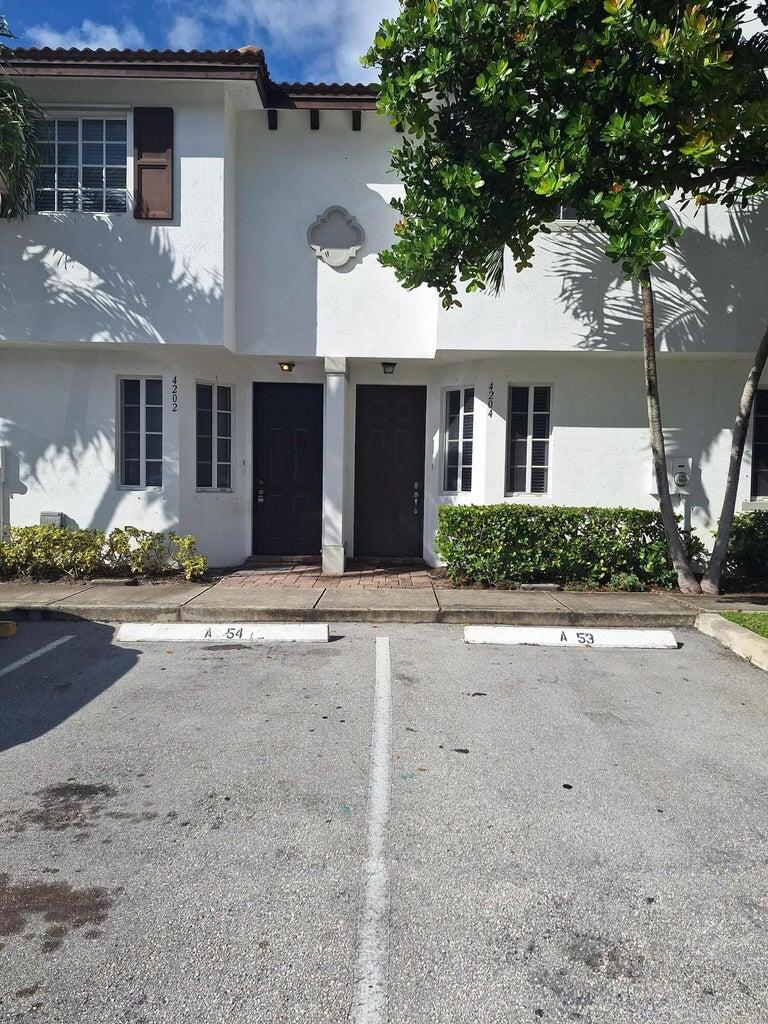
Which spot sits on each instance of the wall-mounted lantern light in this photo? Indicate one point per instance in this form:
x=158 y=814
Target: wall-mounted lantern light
x=388 y=368
x=286 y=367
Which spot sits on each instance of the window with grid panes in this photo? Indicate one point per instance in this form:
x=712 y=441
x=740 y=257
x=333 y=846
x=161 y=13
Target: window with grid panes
x=214 y=437
x=82 y=165
x=459 y=432
x=760 y=447
x=141 y=432
x=567 y=213
x=529 y=428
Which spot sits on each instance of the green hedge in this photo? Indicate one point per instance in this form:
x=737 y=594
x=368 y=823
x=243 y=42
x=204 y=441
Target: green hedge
x=50 y=552
x=501 y=545
x=747 y=562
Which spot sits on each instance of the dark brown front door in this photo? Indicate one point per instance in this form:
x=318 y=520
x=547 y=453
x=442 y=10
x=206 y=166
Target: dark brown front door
x=287 y=468
x=389 y=470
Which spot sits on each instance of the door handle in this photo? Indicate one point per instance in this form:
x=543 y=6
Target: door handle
x=260 y=493
x=415 y=497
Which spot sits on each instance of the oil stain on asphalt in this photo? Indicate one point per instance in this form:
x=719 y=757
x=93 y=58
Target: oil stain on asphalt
x=72 y=805
x=61 y=907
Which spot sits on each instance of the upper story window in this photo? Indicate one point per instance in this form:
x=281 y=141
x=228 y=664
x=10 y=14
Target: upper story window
x=83 y=165
x=529 y=427
x=567 y=214
x=760 y=447
x=459 y=432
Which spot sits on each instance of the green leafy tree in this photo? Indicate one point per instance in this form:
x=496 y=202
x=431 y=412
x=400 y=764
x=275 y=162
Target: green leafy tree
x=512 y=109
x=18 y=148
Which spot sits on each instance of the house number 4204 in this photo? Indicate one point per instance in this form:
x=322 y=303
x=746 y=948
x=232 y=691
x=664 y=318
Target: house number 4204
x=174 y=395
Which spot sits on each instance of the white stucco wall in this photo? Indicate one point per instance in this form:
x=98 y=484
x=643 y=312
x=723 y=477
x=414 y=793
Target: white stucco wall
x=290 y=303
x=107 y=277
x=58 y=408
x=572 y=300
x=708 y=295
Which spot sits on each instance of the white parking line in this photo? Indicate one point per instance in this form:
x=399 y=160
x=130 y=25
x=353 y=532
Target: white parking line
x=35 y=654
x=371 y=973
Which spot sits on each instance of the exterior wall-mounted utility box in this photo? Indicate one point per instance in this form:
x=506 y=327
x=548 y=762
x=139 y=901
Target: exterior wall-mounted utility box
x=51 y=518
x=679 y=472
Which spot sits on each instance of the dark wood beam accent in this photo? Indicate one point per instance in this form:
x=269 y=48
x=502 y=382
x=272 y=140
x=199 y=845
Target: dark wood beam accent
x=357 y=120
x=272 y=117
x=314 y=119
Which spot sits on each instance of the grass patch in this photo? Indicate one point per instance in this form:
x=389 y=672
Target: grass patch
x=756 y=621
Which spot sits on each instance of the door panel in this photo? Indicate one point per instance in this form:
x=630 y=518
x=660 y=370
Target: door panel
x=287 y=468
x=389 y=470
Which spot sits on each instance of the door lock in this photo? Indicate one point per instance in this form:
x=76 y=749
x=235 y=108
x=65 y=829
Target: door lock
x=260 y=493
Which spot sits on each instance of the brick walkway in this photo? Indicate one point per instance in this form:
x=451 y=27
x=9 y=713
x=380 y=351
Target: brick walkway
x=401 y=577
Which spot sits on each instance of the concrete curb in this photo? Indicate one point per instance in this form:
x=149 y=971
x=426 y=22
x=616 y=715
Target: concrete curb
x=736 y=638
x=629 y=620
x=455 y=616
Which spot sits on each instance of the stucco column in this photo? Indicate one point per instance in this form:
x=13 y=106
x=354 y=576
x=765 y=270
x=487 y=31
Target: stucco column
x=334 y=430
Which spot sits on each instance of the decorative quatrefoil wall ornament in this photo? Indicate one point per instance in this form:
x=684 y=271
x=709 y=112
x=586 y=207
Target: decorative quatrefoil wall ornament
x=336 y=237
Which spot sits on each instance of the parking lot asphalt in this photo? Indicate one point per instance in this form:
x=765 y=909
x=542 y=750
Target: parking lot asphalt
x=572 y=834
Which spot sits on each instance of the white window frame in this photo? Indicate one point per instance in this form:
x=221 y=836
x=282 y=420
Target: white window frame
x=215 y=437
x=529 y=467
x=142 y=379
x=461 y=388
x=78 y=112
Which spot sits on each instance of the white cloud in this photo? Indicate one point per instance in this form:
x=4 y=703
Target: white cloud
x=187 y=33
x=89 y=35
x=325 y=37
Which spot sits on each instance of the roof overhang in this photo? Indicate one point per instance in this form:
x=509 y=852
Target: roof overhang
x=245 y=64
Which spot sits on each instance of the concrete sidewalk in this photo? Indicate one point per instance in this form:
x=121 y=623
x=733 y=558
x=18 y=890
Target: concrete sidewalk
x=174 y=602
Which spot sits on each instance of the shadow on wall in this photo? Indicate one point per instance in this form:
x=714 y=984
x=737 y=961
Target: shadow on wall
x=706 y=295
x=105 y=279
x=110 y=283
x=36 y=702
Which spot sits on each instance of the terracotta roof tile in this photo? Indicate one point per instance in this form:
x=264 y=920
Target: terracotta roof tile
x=243 y=55
x=327 y=88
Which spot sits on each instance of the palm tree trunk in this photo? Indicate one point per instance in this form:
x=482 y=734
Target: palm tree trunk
x=711 y=582
x=685 y=577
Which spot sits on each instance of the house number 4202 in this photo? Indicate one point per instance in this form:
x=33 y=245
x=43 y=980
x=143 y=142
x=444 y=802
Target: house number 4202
x=174 y=395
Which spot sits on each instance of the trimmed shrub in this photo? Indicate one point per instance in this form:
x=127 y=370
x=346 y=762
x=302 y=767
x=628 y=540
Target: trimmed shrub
x=497 y=545
x=747 y=562
x=49 y=552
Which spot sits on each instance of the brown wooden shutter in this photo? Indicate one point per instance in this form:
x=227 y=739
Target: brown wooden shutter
x=153 y=163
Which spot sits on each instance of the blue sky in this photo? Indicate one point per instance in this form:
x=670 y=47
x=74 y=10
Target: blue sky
x=304 y=40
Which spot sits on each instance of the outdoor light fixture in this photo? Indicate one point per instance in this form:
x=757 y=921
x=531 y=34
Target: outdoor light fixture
x=388 y=368
x=286 y=367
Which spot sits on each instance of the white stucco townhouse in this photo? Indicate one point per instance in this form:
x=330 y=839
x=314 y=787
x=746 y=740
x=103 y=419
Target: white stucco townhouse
x=191 y=336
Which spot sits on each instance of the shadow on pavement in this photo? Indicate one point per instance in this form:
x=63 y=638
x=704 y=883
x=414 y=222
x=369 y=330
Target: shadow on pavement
x=45 y=692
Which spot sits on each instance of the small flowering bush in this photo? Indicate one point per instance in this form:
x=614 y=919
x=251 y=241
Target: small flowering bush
x=50 y=552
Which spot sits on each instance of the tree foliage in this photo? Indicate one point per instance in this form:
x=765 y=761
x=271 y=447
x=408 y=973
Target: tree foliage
x=514 y=108
x=18 y=148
